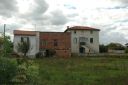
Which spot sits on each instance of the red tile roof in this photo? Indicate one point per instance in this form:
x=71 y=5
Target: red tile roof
x=81 y=28
x=19 y=32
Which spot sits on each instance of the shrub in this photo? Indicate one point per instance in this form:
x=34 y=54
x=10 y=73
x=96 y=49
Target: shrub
x=24 y=47
x=8 y=69
x=50 y=52
x=39 y=55
x=103 y=49
x=33 y=75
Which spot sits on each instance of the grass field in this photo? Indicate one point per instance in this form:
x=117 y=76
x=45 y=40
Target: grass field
x=83 y=71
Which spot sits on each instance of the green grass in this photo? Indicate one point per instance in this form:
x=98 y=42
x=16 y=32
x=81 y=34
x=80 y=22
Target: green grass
x=83 y=71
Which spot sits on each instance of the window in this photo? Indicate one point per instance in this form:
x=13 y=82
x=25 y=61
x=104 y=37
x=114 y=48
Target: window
x=75 y=40
x=24 y=39
x=55 y=43
x=91 y=32
x=91 y=40
x=83 y=39
x=44 y=42
x=74 y=31
x=82 y=43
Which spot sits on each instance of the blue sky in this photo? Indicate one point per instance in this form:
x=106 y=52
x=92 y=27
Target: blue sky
x=111 y=16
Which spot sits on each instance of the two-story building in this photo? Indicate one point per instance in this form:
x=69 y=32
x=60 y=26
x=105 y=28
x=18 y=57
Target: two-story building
x=84 y=39
x=75 y=40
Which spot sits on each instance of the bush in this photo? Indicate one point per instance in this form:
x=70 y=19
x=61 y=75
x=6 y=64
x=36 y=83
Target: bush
x=27 y=73
x=33 y=75
x=50 y=52
x=103 y=49
x=8 y=69
x=46 y=53
x=39 y=55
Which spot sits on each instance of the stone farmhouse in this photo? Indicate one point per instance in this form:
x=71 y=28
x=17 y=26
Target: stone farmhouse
x=74 y=40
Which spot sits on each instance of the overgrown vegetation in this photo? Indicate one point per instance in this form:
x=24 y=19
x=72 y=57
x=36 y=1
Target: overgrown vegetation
x=24 y=47
x=83 y=71
x=8 y=69
x=116 y=46
x=113 y=46
x=103 y=48
x=6 y=46
x=16 y=71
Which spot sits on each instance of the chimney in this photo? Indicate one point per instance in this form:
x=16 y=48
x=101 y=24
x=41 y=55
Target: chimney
x=67 y=27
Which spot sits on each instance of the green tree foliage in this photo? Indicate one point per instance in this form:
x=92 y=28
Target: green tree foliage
x=24 y=47
x=103 y=48
x=27 y=73
x=6 y=45
x=1 y=40
x=116 y=46
x=8 y=70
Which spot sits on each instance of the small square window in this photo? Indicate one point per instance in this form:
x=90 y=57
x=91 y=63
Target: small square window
x=44 y=42
x=75 y=40
x=91 y=40
x=24 y=39
x=91 y=32
x=55 y=43
x=74 y=31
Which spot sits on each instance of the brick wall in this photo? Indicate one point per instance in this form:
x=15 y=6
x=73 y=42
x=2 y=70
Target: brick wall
x=58 y=41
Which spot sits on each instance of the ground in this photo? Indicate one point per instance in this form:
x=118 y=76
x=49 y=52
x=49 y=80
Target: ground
x=83 y=71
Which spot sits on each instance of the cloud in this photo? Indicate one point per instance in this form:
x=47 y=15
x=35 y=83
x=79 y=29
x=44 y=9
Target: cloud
x=111 y=16
x=69 y=6
x=58 y=18
x=8 y=8
x=122 y=1
x=39 y=9
x=35 y=12
x=113 y=37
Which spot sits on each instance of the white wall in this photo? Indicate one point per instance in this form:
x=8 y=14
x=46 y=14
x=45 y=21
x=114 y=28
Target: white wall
x=87 y=34
x=34 y=44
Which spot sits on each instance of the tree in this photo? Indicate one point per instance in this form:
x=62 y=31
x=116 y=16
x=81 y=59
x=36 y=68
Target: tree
x=1 y=40
x=103 y=48
x=8 y=70
x=116 y=46
x=24 y=47
x=6 y=45
x=26 y=74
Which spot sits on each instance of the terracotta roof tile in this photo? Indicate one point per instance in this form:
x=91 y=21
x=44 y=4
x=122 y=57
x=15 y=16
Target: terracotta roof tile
x=81 y=28
x=19 y=32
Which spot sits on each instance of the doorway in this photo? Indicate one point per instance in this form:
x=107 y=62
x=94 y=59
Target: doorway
x=82 y=50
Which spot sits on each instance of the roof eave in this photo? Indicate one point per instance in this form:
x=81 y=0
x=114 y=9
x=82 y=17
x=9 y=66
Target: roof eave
x=82 y=29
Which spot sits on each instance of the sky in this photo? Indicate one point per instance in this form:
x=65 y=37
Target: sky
x=110 y=16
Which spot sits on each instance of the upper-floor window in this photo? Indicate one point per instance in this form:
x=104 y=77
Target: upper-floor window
x=91 y=32
x=91 y=40
x=83 y=39
x=82 y=43
x=74 y=31
x=24 y=39
x=75 y=40
x=44 y=42
x=55 y=42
